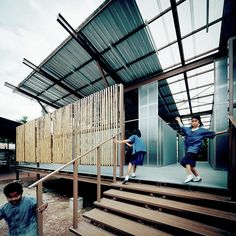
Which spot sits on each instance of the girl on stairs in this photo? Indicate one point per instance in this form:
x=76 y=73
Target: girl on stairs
x=138 y=153
x=194 y=136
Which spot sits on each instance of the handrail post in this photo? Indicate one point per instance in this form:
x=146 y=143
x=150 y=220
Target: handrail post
x=98 y=173
x=39 y=196
x=114 y=161
x=75 y=194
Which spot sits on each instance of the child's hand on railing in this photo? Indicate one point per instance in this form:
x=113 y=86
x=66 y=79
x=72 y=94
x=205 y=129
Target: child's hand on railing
x=43 y=207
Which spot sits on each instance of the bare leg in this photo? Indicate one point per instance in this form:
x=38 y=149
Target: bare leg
x=194 y=171
x=134 y=168
x=188 y=169
x=129 y=169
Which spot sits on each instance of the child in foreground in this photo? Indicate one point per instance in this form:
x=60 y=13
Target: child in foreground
x=194 y=136
x=20 y=211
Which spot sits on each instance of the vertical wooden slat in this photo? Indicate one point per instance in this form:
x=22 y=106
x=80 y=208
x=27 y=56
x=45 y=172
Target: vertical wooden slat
x=39 y=196
x=20 y=143
x=98 y=150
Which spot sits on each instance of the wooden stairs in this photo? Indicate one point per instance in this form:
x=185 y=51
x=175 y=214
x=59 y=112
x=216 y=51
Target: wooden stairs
x=142 y=209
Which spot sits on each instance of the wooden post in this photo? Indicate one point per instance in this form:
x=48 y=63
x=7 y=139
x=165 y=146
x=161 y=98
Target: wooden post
x=98 y=174
x=122 y=128
x=114 y=161
x=39 y=191
x=75 y=194
x=232 y=132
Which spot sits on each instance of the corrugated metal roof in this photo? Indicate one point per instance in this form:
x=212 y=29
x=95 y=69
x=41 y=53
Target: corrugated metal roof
x=111 y=35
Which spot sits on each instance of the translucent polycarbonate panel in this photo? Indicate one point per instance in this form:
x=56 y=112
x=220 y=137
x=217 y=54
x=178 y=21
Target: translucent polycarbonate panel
x=202 y=101
x=175 y=78
x=202 y=41
x=184 y=111
x=202 y=108
x=200 y=69
x=169 y=56
x=182 y=105
x=151 y=8
x=201 y=80
x=163 y=30
x=180 y=97
x=207 y=90
x=215 y=9
x=177 y=87
x=196 y=13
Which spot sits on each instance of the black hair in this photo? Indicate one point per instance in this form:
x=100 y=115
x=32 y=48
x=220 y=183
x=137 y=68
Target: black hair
x=137 y=132
x=11 y=188
x=197 y=117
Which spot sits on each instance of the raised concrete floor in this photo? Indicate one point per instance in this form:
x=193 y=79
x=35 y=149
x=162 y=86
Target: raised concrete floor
x=171 y=174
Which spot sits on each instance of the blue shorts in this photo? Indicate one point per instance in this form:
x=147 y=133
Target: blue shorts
x=189 y=159
x=137 y=158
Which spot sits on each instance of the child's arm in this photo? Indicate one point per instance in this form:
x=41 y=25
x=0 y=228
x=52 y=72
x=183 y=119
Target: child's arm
x=128 y=144
x=42 y=208
x=221 y=132
x=179 y=121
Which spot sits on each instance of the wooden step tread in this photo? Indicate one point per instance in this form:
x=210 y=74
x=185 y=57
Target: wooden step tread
x=87 y=229
x=157 y=217
x=121 y=224
x=170 y=204
x=168 y=191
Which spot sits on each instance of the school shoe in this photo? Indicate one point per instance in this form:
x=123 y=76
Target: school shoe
x=197 y=179
x=133 y=175
x=125 y=180
x=188 y=179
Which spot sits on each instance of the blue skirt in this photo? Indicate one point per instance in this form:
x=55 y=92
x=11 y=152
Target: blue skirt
x=137 y=158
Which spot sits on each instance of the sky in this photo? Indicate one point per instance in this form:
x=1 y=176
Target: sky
x=29 y=29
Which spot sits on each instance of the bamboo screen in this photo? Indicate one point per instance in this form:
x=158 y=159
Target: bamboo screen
x=93 y=119
x=44 y=139
x=96 y=119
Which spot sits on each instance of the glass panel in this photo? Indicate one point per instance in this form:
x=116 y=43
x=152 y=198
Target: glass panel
x=216 y=9
x=201 y=80
x=163 y=30
x=175 y=78
x=192 y=15
x=202 y=91
x=184 y=112
x=156 y=8
x=202 y=41
x=202 y=101
x=202 y=108
x=180 y=97
x=200 y=69
x=169 y=56
x=177 y=87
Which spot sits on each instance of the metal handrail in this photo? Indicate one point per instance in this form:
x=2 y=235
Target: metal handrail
x=72 y=161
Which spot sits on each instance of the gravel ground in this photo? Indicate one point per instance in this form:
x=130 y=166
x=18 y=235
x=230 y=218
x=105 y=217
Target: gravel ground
x=57 y=217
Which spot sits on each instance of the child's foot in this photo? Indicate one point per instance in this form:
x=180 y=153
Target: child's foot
x=197 y=179
x=125 y=180
x=188 y=179
x=133 y=175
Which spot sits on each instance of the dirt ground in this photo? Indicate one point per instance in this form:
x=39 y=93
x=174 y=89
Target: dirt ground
x=57 y=218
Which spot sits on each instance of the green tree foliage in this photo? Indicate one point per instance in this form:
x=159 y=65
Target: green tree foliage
x=23 y=120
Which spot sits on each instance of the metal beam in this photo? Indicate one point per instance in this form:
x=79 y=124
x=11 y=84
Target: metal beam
x=88 y=47
x=187 y=67
x=180 y=45
x=102 y=74
x=51 y=78
x=30 y=95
